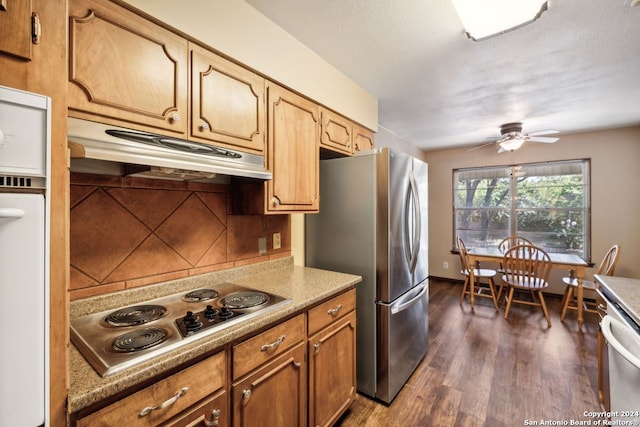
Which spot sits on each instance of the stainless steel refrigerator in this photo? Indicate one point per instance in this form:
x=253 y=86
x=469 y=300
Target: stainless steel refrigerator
x=373 y=222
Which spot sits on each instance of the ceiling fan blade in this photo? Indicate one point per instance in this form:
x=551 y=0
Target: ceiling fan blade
x=477 y=147
x=543 y=132
x=545 y=139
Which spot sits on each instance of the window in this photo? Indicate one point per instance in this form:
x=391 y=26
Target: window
x=547 y=203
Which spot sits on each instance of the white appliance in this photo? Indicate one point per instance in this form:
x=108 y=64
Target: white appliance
x=24 y=225
x=623 y=336
x=373 y=222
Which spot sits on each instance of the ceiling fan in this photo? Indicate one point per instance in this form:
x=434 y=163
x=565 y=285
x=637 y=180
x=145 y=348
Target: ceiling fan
x=512 y=137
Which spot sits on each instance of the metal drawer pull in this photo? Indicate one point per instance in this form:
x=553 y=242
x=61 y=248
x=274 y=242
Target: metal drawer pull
x=246 y=395
x=273 y=345
x=316 y=348
x=215 y=418
x=168 y=402
x=334 y=311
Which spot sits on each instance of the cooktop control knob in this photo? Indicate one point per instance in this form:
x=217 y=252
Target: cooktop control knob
x=191 y=322
x=225 y=313
x=210 y=312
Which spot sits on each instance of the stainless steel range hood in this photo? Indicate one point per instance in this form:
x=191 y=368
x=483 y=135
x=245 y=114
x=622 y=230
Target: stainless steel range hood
x=158 y=156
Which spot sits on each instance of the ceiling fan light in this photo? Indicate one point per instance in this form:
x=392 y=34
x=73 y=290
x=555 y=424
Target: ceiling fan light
x=488 y=18
x=512 y=144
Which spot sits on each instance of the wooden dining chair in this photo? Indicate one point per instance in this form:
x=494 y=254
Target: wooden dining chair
x=511 y=241
x=526 y=268
x=503 y=246
x=606 y=268
x=479 y=274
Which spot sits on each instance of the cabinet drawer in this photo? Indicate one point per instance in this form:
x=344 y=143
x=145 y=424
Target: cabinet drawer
x=264 y=347
x=213 y=411
x=199 y=381
x=329 y=311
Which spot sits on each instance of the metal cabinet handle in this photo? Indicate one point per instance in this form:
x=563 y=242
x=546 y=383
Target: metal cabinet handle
x=276 y=201
x=175 y=117
x=246 y=395
x=602 y=310
x=36 y=29
x=168 y=402
x=204 y=126
x=273 y=345
x=334 y=311
x=316 y=348
x=215 y=418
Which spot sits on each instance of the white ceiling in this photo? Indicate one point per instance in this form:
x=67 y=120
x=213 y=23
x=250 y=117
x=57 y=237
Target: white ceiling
x=577 y=68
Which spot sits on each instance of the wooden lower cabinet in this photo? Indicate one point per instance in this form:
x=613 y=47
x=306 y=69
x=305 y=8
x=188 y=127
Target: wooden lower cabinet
x=332 y=358
x=332 y=371
x=274 y=395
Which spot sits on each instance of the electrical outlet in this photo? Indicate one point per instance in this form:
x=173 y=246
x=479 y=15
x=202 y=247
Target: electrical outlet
x=276 y=241
x=262 y=245
x=445 y=265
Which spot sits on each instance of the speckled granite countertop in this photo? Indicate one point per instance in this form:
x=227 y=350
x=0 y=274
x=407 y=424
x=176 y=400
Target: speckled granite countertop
x=303 y=286
x=626 y=292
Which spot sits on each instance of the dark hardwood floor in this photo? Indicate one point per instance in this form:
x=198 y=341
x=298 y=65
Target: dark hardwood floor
x=483 y=370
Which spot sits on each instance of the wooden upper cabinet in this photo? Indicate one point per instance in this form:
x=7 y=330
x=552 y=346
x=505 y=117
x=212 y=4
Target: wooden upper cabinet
x=125 y=69
x=337 y=133
x=293 y=152
x=15 y=28
x=227 y=102
x=362 y=139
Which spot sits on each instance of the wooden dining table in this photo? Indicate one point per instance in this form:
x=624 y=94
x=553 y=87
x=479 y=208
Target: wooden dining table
x=570 y=262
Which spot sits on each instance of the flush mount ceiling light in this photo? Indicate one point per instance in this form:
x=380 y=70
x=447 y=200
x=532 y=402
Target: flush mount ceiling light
x=487 y=18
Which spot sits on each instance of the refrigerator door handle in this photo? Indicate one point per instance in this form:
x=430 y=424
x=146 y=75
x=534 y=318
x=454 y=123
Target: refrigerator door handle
x=404 y=305
x=411 y=247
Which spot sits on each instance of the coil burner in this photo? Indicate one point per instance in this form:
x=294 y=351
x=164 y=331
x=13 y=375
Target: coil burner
x=201 y=295
x=139 y=339
x=242 y=300
x=135 y=315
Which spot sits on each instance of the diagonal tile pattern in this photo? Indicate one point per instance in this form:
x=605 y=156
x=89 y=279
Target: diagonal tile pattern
x=127 y=233
x=191 y=229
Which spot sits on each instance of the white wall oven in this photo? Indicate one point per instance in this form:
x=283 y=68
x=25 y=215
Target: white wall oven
x=24 y=225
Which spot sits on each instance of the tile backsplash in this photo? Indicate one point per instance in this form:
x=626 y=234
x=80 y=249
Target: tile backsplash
x=129 y=232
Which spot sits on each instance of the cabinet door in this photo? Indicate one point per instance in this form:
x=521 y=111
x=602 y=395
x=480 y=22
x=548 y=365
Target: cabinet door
x=212 y=412
x=274 y=395
x=332 y=371
x=337 y=133
x=227 y=102
x=362 y=139
x=15 y=28
x=125 y=69
x=293 y=152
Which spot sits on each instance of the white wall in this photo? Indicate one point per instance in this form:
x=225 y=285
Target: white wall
x=386 y=138
x=237 y=30
x=615 y=198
